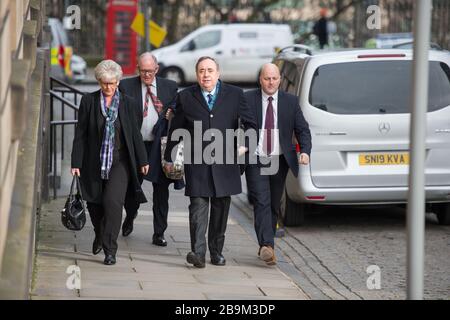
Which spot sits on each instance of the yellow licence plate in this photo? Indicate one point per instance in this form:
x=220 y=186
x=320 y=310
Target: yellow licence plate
x=383 y=159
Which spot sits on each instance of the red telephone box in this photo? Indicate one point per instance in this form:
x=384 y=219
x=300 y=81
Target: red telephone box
x=121 y=40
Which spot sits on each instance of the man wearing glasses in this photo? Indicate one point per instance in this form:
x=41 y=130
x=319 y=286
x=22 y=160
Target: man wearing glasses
x=155 y=97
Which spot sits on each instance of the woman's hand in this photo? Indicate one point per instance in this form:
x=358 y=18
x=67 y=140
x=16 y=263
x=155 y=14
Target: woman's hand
x=75 y=172
x=144 y=169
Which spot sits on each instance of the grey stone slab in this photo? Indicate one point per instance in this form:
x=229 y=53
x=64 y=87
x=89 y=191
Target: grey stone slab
x=239 y=297
x=57 y=292
x=115 y=283
x=285 y=293
x=102 y=293
x=204 y=288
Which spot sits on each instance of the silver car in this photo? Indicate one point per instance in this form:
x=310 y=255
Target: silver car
x=357 y=104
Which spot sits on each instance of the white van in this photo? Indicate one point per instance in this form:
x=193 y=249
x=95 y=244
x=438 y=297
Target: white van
x=240 y=49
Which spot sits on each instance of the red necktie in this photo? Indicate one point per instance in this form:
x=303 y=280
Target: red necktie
x=147 y=99
x=268 y=126
x=156 y=102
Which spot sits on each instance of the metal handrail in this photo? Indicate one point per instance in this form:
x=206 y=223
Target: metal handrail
x=66 y=85
x=58 y=94
x=63 y=100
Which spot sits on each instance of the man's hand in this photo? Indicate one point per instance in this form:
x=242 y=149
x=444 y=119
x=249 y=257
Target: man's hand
x=242 y=150
x=168 y=167
x=304 y=159
x=169 y=114
x=144 y=169
x=75 y=172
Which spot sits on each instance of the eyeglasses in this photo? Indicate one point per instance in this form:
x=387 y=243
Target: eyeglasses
x=108 y=84
x=149 y=72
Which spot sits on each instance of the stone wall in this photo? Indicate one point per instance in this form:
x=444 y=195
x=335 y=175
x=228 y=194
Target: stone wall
x=22 y=85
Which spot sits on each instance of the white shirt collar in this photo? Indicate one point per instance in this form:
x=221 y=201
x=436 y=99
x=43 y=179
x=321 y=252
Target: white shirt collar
x=213 y=91
x=144 y=86
x=266 y=96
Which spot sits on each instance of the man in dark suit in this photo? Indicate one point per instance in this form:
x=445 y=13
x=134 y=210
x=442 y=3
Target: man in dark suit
x=155 y=97
x=279 y=118
x=210 y=180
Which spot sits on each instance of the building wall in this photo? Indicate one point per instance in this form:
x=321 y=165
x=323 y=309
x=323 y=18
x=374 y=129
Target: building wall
x=12 y=16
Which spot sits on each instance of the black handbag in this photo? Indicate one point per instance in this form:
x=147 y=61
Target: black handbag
x=73 y=216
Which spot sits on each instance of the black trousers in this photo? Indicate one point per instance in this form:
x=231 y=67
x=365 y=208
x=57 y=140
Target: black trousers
x=198 y=223
x=106 y=217
x=160 y=203
x=266 y=191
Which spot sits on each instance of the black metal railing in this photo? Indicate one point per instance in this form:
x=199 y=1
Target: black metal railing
x=59 y=91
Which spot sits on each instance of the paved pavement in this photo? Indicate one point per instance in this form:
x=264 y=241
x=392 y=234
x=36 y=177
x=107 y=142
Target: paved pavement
x=145 y=271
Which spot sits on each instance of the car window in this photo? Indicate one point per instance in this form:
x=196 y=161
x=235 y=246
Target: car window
x=207 y=39
x=289 y=77
x=375 y=87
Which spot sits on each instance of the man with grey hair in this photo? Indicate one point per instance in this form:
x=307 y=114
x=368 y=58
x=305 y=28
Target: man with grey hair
x=217 y=106
x=155 y=97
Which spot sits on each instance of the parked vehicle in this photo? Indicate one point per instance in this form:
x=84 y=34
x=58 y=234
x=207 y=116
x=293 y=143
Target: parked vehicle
x=240 y=50
x=357 y=103
x=79 y=67
x=60 y=51
x=388 y=40
x=410 y=44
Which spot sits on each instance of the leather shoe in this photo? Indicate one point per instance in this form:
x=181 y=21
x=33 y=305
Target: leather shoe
x=127 y=227
x=218 y=260
x=96 y=246
x=109 y=260
x=196 y=260
x=159 y=241
x=267 y=254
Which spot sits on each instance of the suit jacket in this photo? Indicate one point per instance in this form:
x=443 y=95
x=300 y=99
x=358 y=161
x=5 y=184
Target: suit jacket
x=167 y=92
x=166 y=89
x=88 y=140
x=208 y=179
x=290 y=123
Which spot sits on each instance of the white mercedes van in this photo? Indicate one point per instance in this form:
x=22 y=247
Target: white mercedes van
x=240 y=49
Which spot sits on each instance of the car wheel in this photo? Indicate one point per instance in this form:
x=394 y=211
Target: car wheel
x=173 y=73
x=442 y=211
x=293 y=213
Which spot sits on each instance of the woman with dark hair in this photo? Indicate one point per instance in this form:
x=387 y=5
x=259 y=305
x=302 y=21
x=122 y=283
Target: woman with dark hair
x=108 y=154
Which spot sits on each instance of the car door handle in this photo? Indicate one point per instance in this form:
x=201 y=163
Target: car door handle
x=219 y=52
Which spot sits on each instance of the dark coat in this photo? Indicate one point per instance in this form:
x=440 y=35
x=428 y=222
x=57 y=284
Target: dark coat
x=88 y=140
x=203 y=179
x=290 y=123
x=167 y=92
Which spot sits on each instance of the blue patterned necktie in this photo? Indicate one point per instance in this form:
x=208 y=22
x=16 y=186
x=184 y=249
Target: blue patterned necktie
x=210 y=99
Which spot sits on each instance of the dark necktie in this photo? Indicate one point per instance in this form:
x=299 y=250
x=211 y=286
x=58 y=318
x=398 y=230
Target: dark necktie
x=209 y=101
x=268 y=126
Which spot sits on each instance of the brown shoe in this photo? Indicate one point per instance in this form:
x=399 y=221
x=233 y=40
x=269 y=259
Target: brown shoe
x=267 y=254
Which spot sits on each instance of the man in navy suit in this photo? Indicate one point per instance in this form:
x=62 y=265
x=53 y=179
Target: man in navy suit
x=279 y=118
x=155 y=97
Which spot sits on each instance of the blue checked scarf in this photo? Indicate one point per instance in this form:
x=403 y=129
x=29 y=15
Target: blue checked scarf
x=106 y=151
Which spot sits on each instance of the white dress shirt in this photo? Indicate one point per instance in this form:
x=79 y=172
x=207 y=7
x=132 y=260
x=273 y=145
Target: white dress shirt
x=276 y=150
x=212 y=93
x=152 y=116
